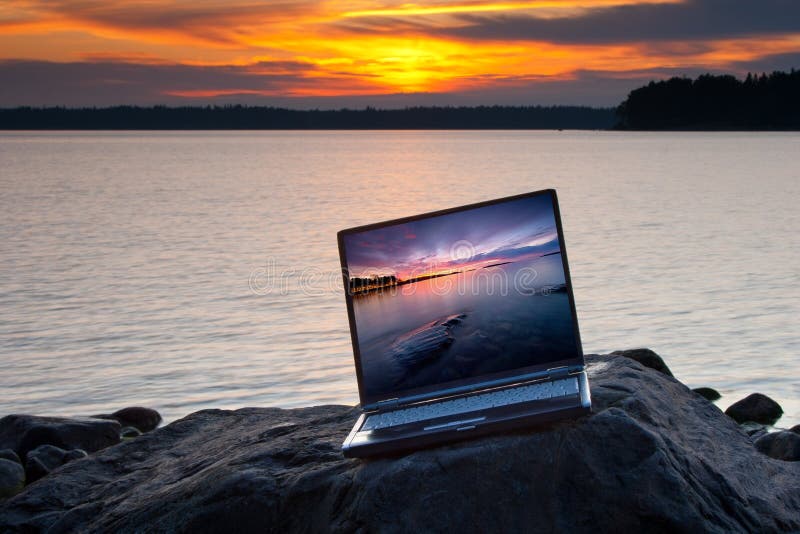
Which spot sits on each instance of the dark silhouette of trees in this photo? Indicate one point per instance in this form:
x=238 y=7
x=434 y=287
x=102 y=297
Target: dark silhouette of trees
x=710 y=102
x=362 y=284
x=765 y=102
x=269 y=118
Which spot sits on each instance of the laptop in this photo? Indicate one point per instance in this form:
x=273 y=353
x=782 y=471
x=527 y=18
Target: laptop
x=463 y=323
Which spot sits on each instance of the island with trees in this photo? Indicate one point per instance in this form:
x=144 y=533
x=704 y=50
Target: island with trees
x=715 y=102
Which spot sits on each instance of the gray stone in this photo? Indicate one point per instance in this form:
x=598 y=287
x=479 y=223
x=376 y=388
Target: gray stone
x=12 y=478
x=708 y=393
x=45 y=458
x=23 y=433
x=755 y=407
x=8 y=454
x=783 y=445
x=646 y=357
x=652 y=457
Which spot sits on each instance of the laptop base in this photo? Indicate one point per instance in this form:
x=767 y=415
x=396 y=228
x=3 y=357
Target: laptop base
x=361 y=444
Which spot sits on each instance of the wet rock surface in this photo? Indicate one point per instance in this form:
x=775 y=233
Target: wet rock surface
x=652 y=457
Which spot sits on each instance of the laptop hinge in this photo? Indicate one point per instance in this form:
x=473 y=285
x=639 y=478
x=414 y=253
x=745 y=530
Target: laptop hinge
x=388 y=404
x=558 y=372
x=564 y=370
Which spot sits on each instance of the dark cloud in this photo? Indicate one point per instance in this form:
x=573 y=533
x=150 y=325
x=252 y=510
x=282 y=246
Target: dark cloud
x=690 y=20
x=39 y=83
x=770 y=63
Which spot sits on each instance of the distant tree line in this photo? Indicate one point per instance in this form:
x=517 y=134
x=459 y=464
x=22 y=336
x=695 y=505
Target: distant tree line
x=238 y=117
x=765 y=102
x=360 y=284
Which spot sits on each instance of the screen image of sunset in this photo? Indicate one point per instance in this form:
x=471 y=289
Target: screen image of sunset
x=454 y=297
x=459 y=242
x=308 y=53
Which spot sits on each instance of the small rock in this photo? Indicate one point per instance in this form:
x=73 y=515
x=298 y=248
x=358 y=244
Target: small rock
x=754 y=430
x=45 y=458
x=130 y=432
x=755 y=407
x=143 y=419
x=646 y=357
x=8 y=454
x=709 y=393
x=795 y=429
x=12 y=478
x=23 y=433
x=783 y=445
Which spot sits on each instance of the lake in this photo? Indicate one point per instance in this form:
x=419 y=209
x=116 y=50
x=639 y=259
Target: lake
x=190 y=270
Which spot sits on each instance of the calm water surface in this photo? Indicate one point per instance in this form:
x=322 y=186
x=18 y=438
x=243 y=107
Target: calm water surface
x=195 y=270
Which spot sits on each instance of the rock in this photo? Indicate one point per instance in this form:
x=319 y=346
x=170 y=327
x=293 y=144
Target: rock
x=12 y=478
x=45 y=458
x=755 y=407
x=23 y=433
x=754 y=430
x=8 y=454
x=783 y=445
x=708 y=393
x=652 y=457
x=646 y=357
x=129 y=432
x=143 y=419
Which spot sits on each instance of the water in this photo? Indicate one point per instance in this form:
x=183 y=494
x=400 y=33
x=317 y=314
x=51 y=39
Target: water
x=195 y=270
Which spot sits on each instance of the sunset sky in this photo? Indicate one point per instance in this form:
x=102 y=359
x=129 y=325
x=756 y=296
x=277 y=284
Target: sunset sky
x=511 y=231
x=324 y=53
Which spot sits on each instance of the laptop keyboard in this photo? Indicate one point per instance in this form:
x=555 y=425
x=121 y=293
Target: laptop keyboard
x=472 y=403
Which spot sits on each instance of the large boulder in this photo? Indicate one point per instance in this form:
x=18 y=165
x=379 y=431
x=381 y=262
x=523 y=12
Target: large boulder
x=646 y=357
x=652 y=457
x=23 y=433
x=783 y=445
x=755 y=407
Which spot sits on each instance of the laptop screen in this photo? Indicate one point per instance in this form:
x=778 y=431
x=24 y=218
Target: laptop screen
x=460 y=296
